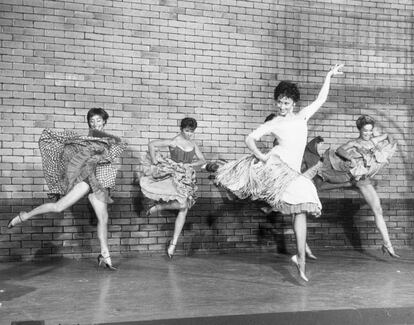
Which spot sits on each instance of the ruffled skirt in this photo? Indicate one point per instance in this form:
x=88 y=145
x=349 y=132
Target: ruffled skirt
x=69 y=159
x=167 y=181
x=274 y=182
x=336 y=170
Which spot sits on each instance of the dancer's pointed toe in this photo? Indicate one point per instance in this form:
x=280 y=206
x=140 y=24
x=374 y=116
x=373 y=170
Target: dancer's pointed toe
x=301 y=268
x=390 y=250
x=16 y=220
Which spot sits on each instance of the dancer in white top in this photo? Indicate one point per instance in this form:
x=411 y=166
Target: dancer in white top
x=275 y=177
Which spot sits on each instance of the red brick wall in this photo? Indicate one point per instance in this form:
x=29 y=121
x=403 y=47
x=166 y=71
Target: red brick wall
x=150 y=63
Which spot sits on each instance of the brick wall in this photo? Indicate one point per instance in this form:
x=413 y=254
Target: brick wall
x=150 y=63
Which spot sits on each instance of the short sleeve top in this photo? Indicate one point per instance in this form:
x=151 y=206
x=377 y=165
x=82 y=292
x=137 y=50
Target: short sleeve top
x=292 y=133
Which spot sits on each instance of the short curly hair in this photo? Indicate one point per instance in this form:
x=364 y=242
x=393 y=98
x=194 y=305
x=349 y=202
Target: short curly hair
x=188 y=122
x=287 y=89
x=97 y=111
x=364 y=120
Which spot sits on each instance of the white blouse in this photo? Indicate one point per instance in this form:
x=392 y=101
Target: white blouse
x=291 y=132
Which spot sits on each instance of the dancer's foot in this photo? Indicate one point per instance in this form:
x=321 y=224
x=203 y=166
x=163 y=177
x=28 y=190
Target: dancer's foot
x=16 y=220
x=106 y=261
x=170 y=249
x=151 y=210
x=390 y=250
x=309 y=253
x=300 y=267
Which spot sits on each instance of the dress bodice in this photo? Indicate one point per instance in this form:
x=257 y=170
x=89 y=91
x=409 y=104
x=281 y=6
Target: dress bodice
x=179 y=155
x=292 y=133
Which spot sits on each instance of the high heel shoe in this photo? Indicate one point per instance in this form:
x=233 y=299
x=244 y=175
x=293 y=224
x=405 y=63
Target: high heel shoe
x=106 y=261
x=295 y=261
x=310 y=254
x=390 y=250
x=19 y=219
x=170 y=249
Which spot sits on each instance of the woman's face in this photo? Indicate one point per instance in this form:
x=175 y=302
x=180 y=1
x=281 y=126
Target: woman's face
x=188 y=133
x=366 y=132
x=285 y=105
x=97 y=122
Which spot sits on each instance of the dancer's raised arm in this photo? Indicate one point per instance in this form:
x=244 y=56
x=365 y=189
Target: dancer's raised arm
x=308 y=111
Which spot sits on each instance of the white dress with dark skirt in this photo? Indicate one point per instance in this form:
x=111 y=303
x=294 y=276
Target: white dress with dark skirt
x=278 y=181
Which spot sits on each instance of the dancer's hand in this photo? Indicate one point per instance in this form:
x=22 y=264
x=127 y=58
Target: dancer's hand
x=336 y=69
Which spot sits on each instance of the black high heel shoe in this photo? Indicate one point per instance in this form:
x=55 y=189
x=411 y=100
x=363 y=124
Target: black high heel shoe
x=390 y=250
x=170 y=254
x=106 y=261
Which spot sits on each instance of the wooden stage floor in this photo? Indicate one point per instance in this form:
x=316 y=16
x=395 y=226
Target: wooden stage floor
x=69 y=291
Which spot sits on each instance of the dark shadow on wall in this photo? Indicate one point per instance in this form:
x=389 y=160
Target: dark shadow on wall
x=344 y=213
x=268 y=231
x=347 y=213
x=273 y=231
x=207 y=238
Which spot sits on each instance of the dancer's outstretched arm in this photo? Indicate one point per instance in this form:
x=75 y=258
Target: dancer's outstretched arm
x=308 y=111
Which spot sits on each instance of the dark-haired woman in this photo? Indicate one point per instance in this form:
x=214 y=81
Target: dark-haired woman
x=354 y=164
x=310 y=172
x=76 y=165
x=275 y=177
x=171 y=181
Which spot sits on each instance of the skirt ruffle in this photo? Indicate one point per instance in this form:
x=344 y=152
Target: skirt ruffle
x=313 y=209
x=274 y=182
x=69 y=158
x=167 y=181
x=336 y=170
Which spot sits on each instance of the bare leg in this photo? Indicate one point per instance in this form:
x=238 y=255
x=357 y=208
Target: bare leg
x=267 y=210
x=173 y=205
x=77 y=192
x=373 y=200
x=332 y=186
x=179 y=222
x=299 y=227
x=101 y=211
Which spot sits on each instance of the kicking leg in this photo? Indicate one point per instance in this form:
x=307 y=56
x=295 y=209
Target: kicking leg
x=77 y=192
x=101 y=211
x=373 y=200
